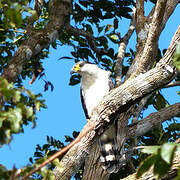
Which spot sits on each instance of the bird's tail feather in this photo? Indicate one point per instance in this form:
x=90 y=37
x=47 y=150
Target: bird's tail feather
x=109 y=151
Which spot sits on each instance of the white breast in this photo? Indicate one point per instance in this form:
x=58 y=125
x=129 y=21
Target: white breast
x=94 y=89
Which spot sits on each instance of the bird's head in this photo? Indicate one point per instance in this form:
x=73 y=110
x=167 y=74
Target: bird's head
x=83 y=67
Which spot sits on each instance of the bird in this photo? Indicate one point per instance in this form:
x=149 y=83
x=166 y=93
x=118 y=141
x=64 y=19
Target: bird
x=95 y=84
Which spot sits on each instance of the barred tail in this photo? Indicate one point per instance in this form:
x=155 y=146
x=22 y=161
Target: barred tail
x=109 y=151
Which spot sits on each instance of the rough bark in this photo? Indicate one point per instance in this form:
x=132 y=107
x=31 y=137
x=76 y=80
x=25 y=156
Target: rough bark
x=147 y=37
x=97 y=172
x=134 y=130
x=121 y=138
x=153 y=120
x=116 y=102
x=90 y=171
x=59 y=12
x=148 y=30
x=120 y=99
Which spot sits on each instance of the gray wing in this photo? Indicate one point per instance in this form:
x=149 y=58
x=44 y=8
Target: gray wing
x=84 y=105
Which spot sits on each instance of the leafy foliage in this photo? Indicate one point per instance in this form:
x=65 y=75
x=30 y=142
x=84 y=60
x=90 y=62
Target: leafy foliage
x=100 y=20
x=19 y=108
x=161 y=159
x=48 y=149
x=14 y=18
x=89 y=15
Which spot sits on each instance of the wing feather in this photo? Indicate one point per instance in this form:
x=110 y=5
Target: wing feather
x=84 y=104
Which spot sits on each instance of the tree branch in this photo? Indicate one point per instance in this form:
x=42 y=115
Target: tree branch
x=122 y=49
x=139 y=15
x=90 y=39
x=134 y=130
x=136 y=114
x=149 y=175
x=58 y=153
x=138 y=110
x=59 y=12
x=170 y=7
x=149 y=35
x=115 y=102
x=172 y=84
x=153 y=120
x=153 y=34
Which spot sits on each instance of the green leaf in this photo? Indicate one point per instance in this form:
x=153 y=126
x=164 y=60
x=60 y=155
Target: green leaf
x=38 y=104
x=56 y=162
x=160 y=167
x=100 y=29
x=167 y=152
x=150 y=149
x=145 y=165
x=108 y=27
x=17 y=96
x=160 y=102
x=48 y=139
x=178 y=148
x=178 y=175
x=113 y=37
x=29 y=112
x=176 y=58
x=1 y=121
x=116 y=22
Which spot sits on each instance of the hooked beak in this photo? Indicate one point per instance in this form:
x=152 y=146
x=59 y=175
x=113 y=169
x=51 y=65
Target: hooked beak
x=72 y=71
x=75 y=69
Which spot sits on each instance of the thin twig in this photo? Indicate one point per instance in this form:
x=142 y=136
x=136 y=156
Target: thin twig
x=173 y=84
x=90 y=39
x=139 y=108
x=59 y=153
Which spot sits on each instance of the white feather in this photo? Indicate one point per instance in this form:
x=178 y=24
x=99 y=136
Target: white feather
x=94 y=84
x=108 y=147
x=110 y=158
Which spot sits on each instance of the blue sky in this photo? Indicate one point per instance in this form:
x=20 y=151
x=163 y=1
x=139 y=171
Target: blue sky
x=64 y=113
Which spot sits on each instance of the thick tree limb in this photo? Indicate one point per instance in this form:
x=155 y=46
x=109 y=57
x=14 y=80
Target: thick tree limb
x=117 y=101
x=170 y=7
x=59 y=12
x=139 y=15
x=153 y=120
x=93 y=167
x=134 y=130
x=149 y=36
x=152 y=38
x=148 y=33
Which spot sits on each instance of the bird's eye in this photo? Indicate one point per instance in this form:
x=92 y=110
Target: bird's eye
x=81 y=64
